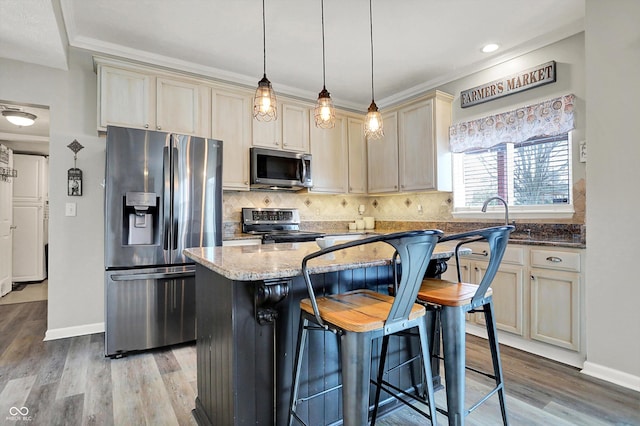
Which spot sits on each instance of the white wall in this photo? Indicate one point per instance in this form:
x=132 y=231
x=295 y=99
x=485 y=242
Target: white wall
x=613 y=151
x=76 y=262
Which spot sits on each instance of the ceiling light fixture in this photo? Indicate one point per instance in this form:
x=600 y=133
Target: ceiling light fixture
x=19 y=118
x=325 y=113
x=265 y=107
x=373 y=120
x=491 y=47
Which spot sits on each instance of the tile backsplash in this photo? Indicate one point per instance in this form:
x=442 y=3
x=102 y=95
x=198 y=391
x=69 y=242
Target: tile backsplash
x=315 y=207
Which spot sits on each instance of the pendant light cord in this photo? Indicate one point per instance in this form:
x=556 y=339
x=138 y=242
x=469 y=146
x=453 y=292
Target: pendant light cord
x=264 y=42
x=323 y=58
x=371 y=29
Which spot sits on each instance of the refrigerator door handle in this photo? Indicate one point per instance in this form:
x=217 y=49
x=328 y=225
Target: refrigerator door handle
x=166 y=198
x=174 y=195
x=153 y=276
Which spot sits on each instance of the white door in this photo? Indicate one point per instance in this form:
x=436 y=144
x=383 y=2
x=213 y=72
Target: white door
x=6 y=222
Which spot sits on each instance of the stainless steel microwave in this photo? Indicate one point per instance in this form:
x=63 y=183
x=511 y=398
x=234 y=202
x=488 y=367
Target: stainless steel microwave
x=279 y=170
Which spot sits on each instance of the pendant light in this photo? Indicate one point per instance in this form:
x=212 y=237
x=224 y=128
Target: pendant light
x=324 y=113
x=373 y=120
x=265 y=106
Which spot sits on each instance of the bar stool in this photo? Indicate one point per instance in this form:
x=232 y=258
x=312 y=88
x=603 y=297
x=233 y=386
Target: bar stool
x=454 y=300
x=360 y=316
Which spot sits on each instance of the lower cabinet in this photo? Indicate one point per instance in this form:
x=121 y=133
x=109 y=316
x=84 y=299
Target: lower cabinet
x=537 y=292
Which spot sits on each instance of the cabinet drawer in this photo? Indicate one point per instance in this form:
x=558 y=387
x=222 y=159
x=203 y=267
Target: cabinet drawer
x=560 y=260
x=512 y=255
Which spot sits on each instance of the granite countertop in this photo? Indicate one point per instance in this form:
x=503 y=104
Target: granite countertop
x=284 y=260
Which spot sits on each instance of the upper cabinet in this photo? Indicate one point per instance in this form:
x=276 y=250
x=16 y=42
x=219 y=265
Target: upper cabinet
x=290 y=132
x=330 y=157
x=231 y=123
x=421 y=131
x=31 y=186
x=382 y=157
x=357 y=156
x=140 y=99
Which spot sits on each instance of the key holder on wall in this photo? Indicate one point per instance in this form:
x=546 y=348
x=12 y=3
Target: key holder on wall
x=74 y=175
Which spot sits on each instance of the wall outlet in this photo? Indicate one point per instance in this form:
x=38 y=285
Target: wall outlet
x=70 y=209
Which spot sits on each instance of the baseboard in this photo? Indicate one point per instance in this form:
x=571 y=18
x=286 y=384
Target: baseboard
x=610 y=375
x=78 y=330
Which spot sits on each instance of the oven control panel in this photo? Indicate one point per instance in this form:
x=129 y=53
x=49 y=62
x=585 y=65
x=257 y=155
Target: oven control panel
x=257 y=216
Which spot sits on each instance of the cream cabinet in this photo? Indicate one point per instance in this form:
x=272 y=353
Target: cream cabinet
x=330 y=158
x=357 y=156
x=382 y=158
x=140 y=99
x=537 y=294
x=290 y=132
x=31 y=185
x=421 y=132
x=423 y=144
x=556 y=297
x=231 y=123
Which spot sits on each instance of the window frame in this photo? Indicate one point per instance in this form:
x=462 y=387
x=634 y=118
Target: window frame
x=496 y=210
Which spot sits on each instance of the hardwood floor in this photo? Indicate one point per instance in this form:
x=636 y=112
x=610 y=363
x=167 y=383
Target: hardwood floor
x=70 y=382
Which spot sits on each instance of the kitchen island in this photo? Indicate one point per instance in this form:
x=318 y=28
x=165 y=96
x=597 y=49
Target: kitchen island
x=247 y=309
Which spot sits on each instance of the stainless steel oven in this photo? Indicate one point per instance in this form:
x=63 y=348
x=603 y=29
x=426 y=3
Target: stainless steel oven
x=276 y=225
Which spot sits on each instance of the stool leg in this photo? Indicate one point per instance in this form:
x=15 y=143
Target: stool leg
x=302 y=340
x=383 y=358
x=492 y=334
x=453 y=340
x=356 y=377
x=426 y=361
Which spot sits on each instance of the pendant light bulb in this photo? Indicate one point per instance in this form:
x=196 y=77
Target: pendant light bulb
x=324 y=113
x=373 y=121
x=265 y=106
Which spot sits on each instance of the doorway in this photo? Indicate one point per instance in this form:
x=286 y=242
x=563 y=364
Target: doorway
x=30 y=210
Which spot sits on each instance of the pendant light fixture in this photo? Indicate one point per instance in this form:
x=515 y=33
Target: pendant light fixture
x=373 y=120
x=265 y=106
x=325 y=113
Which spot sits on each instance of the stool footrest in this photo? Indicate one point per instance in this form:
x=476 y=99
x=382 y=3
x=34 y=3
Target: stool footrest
x=310 y=397
x=387 y=387
x=487 y=396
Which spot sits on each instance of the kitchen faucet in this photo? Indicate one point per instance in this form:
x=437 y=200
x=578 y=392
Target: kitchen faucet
x=506 y=207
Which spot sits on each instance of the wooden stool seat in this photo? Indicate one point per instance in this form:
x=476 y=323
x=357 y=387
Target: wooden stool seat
x=448 y=293
x=357 y=311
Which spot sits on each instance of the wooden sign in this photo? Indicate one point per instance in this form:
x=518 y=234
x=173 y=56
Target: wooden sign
x=518 y=82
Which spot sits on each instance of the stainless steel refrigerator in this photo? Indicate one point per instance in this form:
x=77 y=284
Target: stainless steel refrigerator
x=163 y=193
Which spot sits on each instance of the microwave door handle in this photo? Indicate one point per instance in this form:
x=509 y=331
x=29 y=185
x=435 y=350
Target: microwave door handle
x=166 y=197
x=304 y=170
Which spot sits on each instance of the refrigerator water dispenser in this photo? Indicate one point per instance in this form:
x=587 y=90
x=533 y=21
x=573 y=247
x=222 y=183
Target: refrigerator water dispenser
x=140 y=208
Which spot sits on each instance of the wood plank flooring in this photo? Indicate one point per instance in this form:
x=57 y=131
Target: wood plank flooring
x=70 y=382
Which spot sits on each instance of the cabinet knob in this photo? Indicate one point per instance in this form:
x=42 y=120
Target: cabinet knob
x=13 y=227
x=146 y=126
x=285 y=144
x=276 y=143
x=246 y=183
x=395 y=186
x=476 y=269
x=158 y=127
x=533 y=277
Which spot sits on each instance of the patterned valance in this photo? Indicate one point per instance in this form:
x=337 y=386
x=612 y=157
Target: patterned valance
x=549 y=118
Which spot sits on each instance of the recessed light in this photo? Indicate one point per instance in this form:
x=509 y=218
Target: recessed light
x=491 y=47
x=19 y=118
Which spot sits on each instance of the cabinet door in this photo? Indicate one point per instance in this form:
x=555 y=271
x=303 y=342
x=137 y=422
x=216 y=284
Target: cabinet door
x=451 y=274
x=178 y=107
x=507 y=296
x=295 y=128
x=29 y=186
x=555 y=308
x=357 y=156
x=415 y=144
x=382 y=158
x=28 y=243
x=231 y=123
x=330 y=158
x=266 y=134
x=126 y=99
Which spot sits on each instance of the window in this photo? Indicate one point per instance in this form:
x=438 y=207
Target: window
x=527 y=175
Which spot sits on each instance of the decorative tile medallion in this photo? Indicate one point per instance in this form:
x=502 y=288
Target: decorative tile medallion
x=266 y=201
x=307 y=202
x=407 y=202
x=374 y=203
x=344 y=203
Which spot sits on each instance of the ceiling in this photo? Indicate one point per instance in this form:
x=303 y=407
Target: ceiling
x=418 y=44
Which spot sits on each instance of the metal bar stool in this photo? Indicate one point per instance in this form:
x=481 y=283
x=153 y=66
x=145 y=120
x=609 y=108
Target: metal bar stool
x=454 y=300
x=360 y=316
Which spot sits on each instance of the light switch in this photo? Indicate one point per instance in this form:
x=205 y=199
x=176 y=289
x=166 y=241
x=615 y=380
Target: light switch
x=70 y=209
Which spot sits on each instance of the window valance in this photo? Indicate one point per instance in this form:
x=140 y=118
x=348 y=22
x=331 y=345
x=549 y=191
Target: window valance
x=549 y=118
